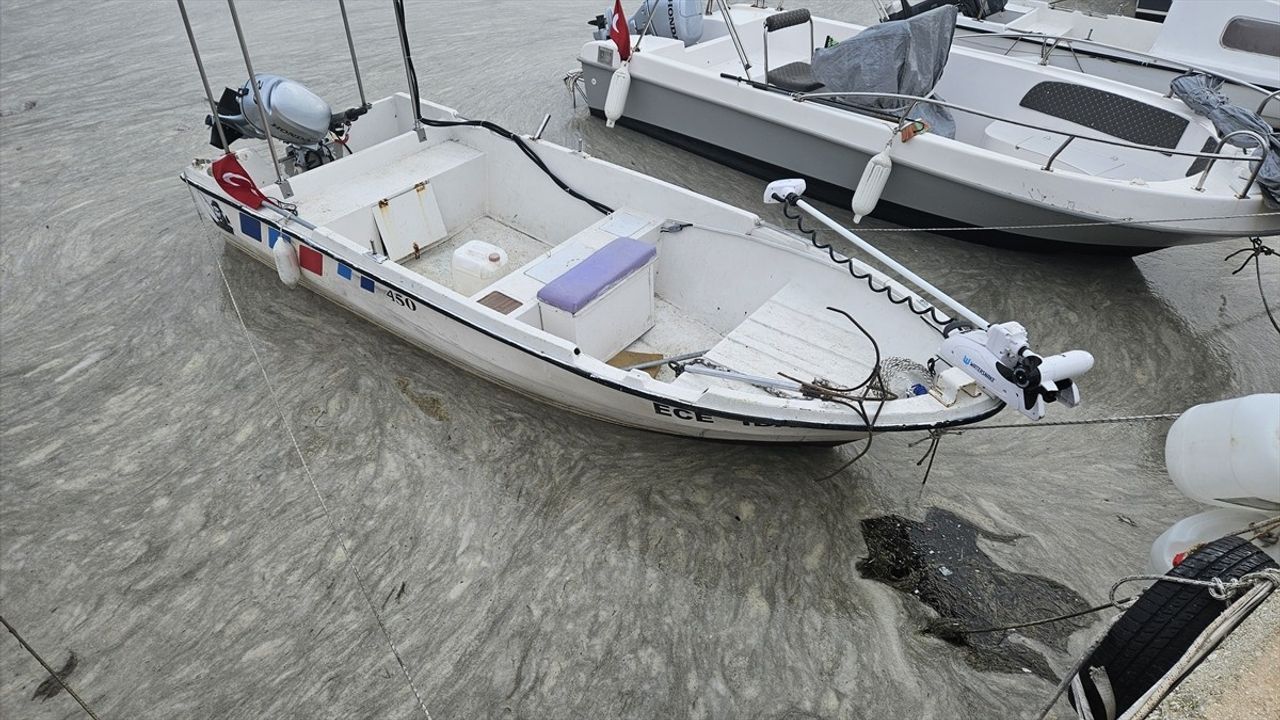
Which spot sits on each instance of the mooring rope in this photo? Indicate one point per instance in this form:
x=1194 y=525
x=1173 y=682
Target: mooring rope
x=1064 y=423
x=1257 y=250
x=53 y=674
x=315 y=488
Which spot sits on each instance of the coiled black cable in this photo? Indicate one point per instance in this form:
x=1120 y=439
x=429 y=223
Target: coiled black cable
x=491 y=127
x=930 y=313
x=528 y=151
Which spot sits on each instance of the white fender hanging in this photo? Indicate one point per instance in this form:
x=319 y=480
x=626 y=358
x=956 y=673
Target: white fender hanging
x=616 y=100
x=286 y=262
x=874 y=177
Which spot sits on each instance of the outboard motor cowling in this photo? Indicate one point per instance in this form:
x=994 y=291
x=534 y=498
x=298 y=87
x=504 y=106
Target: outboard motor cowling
x=295 y=115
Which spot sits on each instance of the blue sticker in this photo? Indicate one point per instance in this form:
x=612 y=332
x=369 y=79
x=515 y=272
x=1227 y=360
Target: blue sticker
x=366 y=282
x=344 y=270
x=251 y=226
x=272 y=236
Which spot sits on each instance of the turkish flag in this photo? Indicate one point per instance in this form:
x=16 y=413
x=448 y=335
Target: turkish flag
x=235 y=181
x=619 y=33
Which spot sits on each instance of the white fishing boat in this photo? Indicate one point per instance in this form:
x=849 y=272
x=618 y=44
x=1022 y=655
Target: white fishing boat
x=1238 y=40
x=645 y=304
x=960 y=137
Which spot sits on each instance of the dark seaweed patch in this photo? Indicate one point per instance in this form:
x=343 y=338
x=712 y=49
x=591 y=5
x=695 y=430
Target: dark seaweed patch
x=938 y=562
x=51 y=687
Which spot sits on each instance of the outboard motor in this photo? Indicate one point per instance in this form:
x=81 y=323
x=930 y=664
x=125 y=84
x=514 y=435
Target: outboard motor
x=297 y=116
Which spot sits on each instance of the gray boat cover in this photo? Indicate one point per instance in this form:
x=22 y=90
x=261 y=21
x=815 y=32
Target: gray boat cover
x=905 y=57
x=977 y=9
x=1200 y=93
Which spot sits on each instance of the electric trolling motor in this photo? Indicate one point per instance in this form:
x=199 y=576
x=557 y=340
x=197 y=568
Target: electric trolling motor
x=1001 y=362
x=996 y=358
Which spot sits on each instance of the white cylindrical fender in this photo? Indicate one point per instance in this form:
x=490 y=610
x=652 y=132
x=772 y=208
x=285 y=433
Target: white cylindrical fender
x=874 y=177
x=1228 y=453
x=616 y=100
x=286 y=258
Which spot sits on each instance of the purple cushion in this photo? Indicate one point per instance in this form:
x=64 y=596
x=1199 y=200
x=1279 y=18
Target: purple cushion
x=584 y=282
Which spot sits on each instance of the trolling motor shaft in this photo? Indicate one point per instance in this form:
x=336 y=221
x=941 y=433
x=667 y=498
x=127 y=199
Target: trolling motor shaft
x=997 y=357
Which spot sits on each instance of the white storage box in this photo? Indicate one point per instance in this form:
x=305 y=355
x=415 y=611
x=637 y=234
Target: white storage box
x=477 y=265
x=604 y=303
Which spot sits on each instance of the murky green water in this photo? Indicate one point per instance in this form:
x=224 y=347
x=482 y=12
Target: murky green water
x=528 y=563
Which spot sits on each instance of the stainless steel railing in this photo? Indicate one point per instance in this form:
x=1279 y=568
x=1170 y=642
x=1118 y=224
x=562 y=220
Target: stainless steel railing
x=1051 y=42
x=911 y=101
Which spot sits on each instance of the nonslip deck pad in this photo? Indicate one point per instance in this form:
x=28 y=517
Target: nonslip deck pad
x=1106 y=112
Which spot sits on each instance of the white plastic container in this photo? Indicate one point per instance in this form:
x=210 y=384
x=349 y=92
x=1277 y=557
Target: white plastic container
x=1228 y=453
x=1202 y=528
x=477 y=265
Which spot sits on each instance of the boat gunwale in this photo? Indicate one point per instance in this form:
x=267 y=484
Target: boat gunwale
x=594 y=377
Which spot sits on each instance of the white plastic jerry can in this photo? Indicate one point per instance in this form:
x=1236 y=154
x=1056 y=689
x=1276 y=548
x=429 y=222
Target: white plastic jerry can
x=476 y=265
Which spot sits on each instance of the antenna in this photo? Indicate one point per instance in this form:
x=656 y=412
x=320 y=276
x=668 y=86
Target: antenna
x=204 y=78
x=346 y=25
x=257 y=97
x=410 y=74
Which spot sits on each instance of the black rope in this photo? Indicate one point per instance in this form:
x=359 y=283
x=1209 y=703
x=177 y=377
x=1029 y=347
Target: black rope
x=491 y=127
x=875 y=369
x=873 y=383
x=52 y=673
x=952 y=631
x=935 y=437
x=929 y=313
x=1256 y=250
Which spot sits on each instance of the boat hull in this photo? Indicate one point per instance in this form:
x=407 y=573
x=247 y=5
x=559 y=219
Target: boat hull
x=662 y=111
x=436 y=329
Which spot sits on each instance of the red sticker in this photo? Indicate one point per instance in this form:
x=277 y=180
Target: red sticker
x=310 y=259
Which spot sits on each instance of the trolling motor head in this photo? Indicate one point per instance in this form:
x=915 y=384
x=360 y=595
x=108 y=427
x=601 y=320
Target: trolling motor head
x=1001 y=362
x=295 y=115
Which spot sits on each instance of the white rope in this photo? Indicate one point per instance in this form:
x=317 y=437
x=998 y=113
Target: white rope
x=333 y=524
x=1050 y=226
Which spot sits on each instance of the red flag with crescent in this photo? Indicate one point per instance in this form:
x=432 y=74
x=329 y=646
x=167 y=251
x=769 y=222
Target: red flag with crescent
x=618 y=31
x=235 y=180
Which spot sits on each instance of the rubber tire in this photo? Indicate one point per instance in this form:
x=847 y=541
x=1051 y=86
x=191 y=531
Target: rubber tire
x=1154 y=633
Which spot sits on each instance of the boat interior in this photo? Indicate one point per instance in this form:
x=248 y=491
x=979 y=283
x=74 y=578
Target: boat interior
x=667 y=274
x=1013 y=92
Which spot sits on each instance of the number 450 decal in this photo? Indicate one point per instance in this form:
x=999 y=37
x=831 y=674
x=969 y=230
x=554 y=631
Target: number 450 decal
x=401 y=300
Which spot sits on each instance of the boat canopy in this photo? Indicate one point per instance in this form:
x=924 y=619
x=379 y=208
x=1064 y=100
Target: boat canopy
x=976 y=9
x=903 y=57
x=1235 y=125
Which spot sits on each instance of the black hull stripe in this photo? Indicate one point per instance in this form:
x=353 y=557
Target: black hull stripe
x=773 y=422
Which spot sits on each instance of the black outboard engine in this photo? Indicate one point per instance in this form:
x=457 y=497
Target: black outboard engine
x=297 y=116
